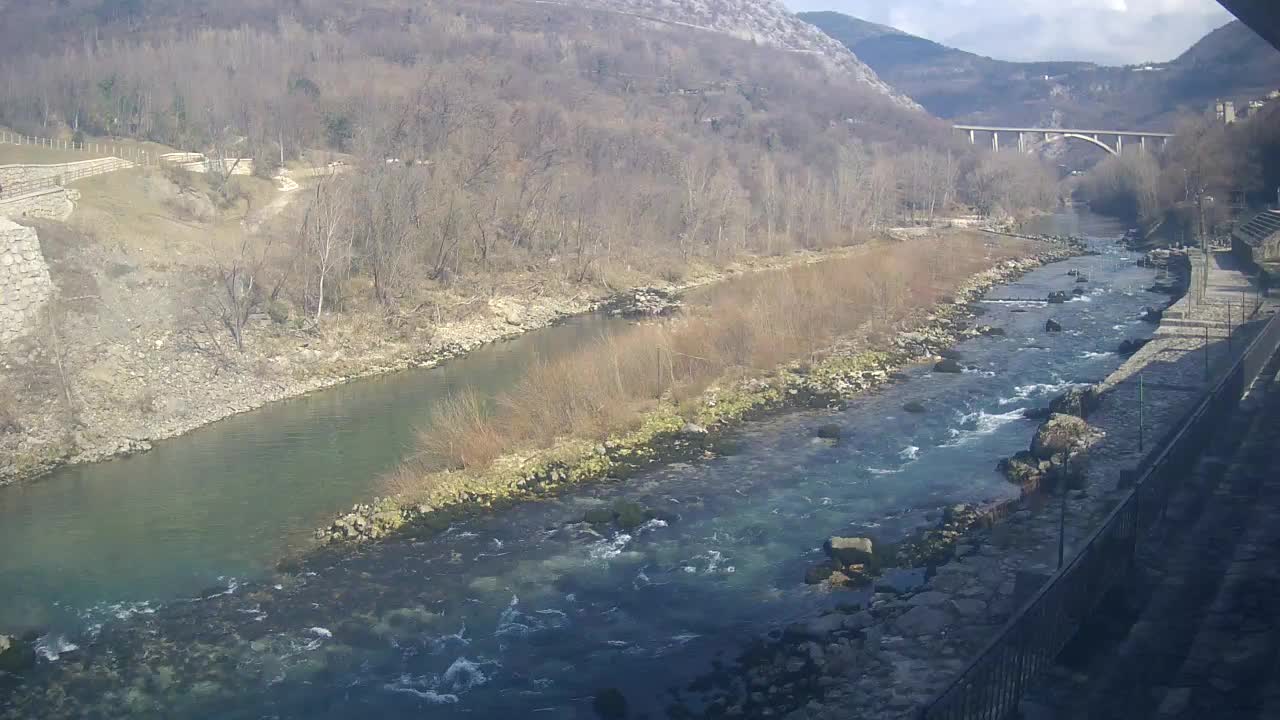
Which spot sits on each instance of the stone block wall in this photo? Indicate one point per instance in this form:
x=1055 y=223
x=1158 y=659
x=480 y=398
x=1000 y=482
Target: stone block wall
x=55 y=203
x=16 y=174
x=25 y=286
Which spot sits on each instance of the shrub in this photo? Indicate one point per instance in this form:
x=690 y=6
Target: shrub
x=750 y=326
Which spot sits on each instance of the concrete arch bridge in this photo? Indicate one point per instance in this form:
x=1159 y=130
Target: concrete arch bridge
x=1029 y=137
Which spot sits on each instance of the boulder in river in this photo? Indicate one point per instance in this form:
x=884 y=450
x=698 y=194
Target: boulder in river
x=1022 y=469
x=1129 y=347
x=643 y=302
x=1052 y=325
x=1041 y=413
x=610 y=704
x=947 y=365
x=992 y=331
x=1073 y=272
x=914 y=407
x=1076 y=401
x=1062 y=435
x=849 y=550
x=1151 y=315
x=1082 y=279
x=830 y=431
x=950 y=354
x=1057 y=297
x=16 y=656
x=1078 y=292
x=630 y=515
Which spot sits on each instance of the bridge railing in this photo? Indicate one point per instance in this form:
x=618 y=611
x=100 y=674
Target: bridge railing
x=992 y=684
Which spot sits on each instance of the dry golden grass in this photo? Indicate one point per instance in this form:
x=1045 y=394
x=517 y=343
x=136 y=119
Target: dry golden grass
x=133 y=209
x=746 y=326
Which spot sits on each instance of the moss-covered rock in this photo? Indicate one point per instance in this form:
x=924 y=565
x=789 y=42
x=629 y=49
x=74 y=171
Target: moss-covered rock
x=16 y=656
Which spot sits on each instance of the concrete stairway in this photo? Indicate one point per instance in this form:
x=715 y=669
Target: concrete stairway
x=1204 y=640
x=1261 y=225
x=1233 y=656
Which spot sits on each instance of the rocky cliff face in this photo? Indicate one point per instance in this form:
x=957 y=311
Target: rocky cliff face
x=766 y=22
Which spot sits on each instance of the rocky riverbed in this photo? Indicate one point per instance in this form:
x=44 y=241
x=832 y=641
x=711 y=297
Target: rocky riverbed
x=667 y=436
x=644 y=583
x=892 y=645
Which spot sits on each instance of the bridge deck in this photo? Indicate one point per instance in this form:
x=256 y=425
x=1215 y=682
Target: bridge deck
x=1123 y=133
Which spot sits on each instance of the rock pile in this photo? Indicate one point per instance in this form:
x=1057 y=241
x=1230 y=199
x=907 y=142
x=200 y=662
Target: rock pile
x=643 y=302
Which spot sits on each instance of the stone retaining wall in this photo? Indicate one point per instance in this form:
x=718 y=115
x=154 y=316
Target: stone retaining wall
x=55 y=203
x=17 y=174
x=24 y=280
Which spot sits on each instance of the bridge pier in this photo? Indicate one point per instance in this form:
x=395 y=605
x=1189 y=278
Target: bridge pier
x=1027 y=136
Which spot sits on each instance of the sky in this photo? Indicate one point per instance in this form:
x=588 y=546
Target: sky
x=1111 y=32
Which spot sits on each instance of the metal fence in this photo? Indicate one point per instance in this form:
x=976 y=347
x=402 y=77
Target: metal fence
x=991 y=686
x=126 y=150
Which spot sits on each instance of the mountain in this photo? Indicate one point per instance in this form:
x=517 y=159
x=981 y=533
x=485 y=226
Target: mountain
x=766 y=22
x=1230 y=62
x=38 y=27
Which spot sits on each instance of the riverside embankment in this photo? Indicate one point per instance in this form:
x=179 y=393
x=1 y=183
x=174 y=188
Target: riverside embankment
x=173 y=386
x=906 y=646
x=532 y=609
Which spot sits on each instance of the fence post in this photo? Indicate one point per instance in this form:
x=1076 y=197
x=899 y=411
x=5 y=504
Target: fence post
x=1142 y=402
x=1230 y=350
x=1206 y=352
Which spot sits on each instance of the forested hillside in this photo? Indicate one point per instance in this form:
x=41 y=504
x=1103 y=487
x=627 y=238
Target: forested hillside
x=467 y=169
x=534 y=130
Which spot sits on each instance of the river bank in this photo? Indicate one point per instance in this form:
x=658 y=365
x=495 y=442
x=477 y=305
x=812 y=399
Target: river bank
x=532 y=608
x=892 y=646
x=180 y=388
x=671 y=433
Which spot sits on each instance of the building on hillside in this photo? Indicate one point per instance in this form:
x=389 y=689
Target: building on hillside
x=1257 y=242
x=1225 y=111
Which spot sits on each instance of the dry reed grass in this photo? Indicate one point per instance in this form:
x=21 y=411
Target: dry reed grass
x=746 y=326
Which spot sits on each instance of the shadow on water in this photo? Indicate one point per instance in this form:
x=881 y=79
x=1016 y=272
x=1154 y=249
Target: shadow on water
x=532 y=609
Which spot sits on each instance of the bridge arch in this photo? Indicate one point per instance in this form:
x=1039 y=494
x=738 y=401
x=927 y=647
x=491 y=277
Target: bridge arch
x=1048 y=135
x=1086 y=138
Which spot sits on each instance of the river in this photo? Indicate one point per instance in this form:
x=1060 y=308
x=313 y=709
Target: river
x=526 y=609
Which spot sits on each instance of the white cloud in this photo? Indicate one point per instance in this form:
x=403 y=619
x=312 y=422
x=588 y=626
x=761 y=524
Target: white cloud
x=1103 y=31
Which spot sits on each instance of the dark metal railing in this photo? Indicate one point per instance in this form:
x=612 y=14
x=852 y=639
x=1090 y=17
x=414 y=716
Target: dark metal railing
x=991 y=686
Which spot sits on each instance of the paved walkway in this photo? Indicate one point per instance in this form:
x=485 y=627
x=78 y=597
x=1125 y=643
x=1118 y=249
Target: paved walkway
x=917 y=643
x=1196 y=635
x=1205 y=641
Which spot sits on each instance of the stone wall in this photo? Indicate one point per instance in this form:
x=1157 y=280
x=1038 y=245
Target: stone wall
x=24 y=280
x=55 y=203
x=17 y=174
